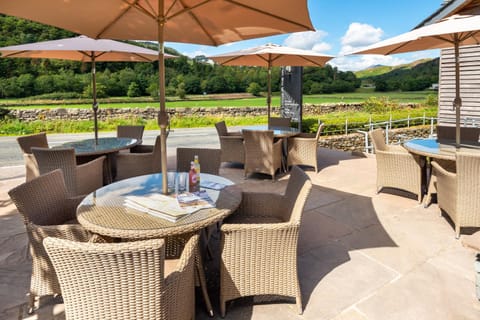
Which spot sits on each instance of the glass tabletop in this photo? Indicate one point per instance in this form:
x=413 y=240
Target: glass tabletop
x=104 y=211
x=105 y=145
x=277 y=131
x=431 y=148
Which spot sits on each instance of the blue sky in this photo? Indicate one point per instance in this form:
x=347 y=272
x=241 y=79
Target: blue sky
x=343 y=26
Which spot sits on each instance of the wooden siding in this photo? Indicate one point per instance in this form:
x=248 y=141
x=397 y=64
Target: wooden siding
x=469 y=86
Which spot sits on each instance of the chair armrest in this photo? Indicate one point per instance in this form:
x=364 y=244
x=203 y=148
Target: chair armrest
x=74 y=232
x=260 y=230
x=400 y=157
x=235 y=133
x=71 y=205
x=142 y=148
x=90 y=176
x=260 y=204
x=443 y=173
x=232 y=137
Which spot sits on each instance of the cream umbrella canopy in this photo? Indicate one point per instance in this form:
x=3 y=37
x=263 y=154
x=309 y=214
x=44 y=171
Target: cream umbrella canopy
x=210 y=22
x=83 y=49
x=271 y=55
x=455 y=31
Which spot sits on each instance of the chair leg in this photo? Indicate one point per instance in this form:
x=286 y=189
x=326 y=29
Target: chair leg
x=457 y=231
x=31 y=303
x=203 y=284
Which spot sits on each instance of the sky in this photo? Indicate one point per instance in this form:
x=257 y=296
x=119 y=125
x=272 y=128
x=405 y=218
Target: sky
x=343 y=26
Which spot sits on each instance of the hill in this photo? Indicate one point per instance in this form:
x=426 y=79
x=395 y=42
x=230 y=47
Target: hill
x=377 y=70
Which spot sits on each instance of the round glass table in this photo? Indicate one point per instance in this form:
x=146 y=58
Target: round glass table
x=104 y=211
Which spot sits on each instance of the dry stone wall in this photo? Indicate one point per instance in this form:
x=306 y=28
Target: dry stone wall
x=350 y=142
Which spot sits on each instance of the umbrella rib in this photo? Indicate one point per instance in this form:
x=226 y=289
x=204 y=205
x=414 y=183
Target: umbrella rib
x=188 y=10
x=269 y=14
x=122 y=13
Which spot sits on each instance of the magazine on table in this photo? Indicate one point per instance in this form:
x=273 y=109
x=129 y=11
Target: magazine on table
x=212 y=185
x=194 y=201
x=158 y=205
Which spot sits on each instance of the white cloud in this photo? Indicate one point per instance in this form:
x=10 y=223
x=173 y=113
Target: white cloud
x=360 y=62
x=195 y=53
x=308 y=40
x=359 y=35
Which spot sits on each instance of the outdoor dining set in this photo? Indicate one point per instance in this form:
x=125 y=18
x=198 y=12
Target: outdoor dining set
x=73 y=204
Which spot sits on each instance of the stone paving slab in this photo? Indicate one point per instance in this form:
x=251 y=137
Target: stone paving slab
x=361 y=255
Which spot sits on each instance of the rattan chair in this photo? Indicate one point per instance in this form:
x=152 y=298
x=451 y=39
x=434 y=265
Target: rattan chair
x=396 y=167
x=279 y=122
x=209 y=159
x=26 y=143
x=47 y=210
x=134 y=132
x=129 y=280
x=231 y=144
x=457 y=193
x=262 y=154
x=259 y=244
x=137 y=164
x=80 y=179
x=302 y=149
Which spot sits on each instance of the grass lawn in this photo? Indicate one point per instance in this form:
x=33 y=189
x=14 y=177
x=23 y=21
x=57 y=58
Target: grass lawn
x=196 y=101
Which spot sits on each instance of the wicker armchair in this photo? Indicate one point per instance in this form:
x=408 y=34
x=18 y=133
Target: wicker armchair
x=279 y=122
x=396 y=167
x=47 y=210
x=26 y=143
x=458 y=192
x=135 y=132
x=259 y=244
x=302 y=149
x=231 y=144
x=137 y=164
x=262 y=154
x=129 y=280
x=80 y=179
x=209 y=159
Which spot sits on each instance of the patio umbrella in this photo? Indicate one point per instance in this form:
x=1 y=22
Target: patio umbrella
x=455 y=31
x=210 y=22
x=83 y=49
x=271 y=55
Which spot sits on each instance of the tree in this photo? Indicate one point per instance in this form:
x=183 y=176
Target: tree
x=254 y=89
x=133 y=90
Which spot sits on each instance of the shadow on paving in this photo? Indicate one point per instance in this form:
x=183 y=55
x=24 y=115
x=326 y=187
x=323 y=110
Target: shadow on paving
x=333 y=224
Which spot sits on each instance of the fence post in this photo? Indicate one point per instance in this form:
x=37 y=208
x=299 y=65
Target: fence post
x=346 y=126
x=431 y=126
x=408 y=121
x=390 y=122
x=424 y=118
x=386 y=133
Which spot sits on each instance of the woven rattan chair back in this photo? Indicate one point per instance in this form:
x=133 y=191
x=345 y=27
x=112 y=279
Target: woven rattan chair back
x=209 y=159
x=378 y=139
x=221 y=128
x=64 y=159
x=26 y=143
x=457 y=192
x=260 y=153
x=298 y=189
x=47 y=211
x=42 y=200
x=279 y=122
x=135 y=132
x=122 y=280
x=33 y=140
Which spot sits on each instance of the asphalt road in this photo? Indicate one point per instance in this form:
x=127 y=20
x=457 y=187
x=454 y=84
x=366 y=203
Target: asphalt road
x=11 y=155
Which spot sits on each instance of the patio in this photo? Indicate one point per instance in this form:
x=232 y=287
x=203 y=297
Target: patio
x=361 y=255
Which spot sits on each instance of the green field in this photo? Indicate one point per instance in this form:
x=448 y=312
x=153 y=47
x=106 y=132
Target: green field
x=195 y=101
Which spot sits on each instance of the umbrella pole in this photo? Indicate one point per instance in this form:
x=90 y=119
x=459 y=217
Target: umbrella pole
x=269 y=88
x=162 y=115
x=457 y=102
x=95 y=104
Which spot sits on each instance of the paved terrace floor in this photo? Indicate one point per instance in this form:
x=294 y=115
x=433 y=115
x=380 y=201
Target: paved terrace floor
x=361 y=255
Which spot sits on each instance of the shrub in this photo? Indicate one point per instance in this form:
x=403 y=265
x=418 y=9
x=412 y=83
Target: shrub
x=133 y=90
x=254 y=89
